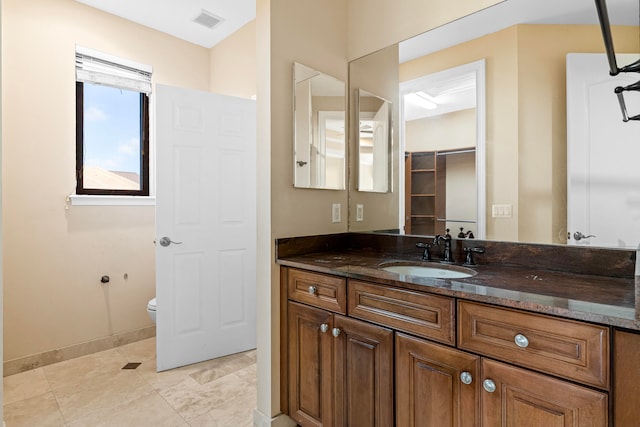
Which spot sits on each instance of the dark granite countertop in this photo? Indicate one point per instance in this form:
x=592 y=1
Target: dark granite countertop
x=594 y=298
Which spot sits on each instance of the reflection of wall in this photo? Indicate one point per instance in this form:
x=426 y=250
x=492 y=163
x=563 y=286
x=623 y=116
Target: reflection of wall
x=377 y=74
x=526 y=119
x=303 y=134
x=335 y=144
x=462 y=200
x=443 y=132
x=374 y=24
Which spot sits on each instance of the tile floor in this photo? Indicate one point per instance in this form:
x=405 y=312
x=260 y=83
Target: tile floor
x=94 y=390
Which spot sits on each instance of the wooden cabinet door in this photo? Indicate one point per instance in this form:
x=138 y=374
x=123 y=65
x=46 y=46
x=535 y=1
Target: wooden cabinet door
x=626 y=402
x=429 y=387
x=364 y=373
x=525 y=398
x=310 y=366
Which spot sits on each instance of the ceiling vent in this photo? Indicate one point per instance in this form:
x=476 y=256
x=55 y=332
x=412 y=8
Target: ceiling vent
x=207 y=19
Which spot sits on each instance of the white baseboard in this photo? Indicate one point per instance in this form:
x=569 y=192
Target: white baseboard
x=261 y=420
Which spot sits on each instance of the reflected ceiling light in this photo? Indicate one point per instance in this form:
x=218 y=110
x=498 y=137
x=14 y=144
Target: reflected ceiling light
x=421 y=100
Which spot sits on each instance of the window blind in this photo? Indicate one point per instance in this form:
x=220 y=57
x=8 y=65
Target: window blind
x=96 y=67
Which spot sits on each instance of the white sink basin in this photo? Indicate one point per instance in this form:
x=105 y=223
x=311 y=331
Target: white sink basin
x=434 y=272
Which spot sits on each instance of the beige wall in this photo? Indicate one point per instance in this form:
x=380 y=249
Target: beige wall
x=317 y=42
x=233 y=63
x=53 y=256
x=314 y=34
x=1 y=243
x=443 y=132
x=374 y=24
x=526 y=119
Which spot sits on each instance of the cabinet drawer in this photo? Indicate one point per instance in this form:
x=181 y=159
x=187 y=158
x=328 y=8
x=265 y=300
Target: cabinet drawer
x=317 y=289
x=567 y=348
x=428 y=316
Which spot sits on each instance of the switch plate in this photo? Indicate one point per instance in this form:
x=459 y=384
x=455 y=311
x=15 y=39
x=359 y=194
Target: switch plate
x=359 y=212
x=501 y=211
x=335 y=212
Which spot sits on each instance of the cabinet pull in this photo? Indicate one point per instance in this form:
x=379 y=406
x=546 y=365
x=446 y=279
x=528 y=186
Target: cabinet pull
x=335 y=332
x=489 y=385
x=324 y=328
x=521 y=341
x=466 y=377
x=312 y=290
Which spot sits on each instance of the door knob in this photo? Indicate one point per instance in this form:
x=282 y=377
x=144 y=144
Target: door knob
x=579 y=236
x=166 y=241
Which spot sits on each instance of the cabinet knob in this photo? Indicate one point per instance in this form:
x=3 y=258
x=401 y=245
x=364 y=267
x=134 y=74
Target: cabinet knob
x=489 y=385
x=324 y=328
x=312 y=290
x=466 y=377
x=521 y=341
x=335 y=332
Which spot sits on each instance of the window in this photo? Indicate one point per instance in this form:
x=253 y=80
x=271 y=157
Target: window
x=112 y=125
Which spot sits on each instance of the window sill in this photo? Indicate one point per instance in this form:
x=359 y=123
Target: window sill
x=88 y=200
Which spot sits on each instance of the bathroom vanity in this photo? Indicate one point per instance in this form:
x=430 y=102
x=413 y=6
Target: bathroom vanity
x=535 y=337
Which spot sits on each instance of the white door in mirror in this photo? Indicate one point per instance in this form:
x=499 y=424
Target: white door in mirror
x=603 y=199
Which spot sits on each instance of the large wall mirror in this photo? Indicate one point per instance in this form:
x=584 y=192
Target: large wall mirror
x=528 y=150
x=319 y=130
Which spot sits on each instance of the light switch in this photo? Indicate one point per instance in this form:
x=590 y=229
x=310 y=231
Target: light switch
x=335 y=212
x=359 y=213
x=501 y=211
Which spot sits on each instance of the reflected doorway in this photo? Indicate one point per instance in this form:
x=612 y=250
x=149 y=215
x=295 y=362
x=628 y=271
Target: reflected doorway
x=443 y=140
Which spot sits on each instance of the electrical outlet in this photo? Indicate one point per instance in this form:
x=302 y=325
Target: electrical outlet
x=501 y=211
x=359 y=212
x=335 y=212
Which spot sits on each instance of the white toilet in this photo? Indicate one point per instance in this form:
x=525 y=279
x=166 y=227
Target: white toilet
x=151 y=309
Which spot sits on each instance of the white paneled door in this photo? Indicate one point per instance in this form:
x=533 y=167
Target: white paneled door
x=603 y=152
x=205 y=225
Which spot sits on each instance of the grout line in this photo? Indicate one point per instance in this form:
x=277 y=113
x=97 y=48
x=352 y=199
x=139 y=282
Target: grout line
x=55 y=397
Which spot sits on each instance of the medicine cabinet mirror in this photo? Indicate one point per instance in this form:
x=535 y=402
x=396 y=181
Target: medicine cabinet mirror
x=319 y=130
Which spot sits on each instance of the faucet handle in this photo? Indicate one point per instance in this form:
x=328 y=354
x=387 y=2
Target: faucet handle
x=426 y=255
x=470 y=251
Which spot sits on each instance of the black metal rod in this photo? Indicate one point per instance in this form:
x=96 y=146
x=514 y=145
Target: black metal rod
x=623 y=106
x=631 y=68
x=603 y=16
